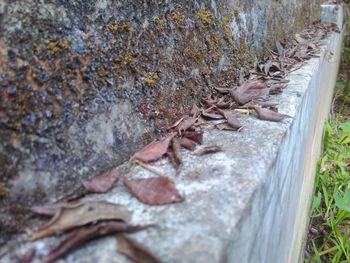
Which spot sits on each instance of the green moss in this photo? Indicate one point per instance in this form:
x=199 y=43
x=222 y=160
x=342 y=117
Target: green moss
x=160 y=22
x=192 y=54
x=56 y=47
x=227 y=31
x=125 y=61
x=214 y=45
x=206 y=17
x=120 y=27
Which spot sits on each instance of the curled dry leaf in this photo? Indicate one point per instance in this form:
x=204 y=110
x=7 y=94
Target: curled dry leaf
x=135 y=251
x=225 y=126
x=212 y=115
x=187 y=143
x=27 y=257
x=154 y=190
x=208 y=149
x=85 y=234
x=88 y=212
x=196 y=136
x=102 y=182
x=269 y=115
x=172 y=159
x=185 y=124
x=195 y=111
x=178 y=122
x=176 y=145
x=232 y=119
x=250 y=90
x=155 y=150
x=52 y=209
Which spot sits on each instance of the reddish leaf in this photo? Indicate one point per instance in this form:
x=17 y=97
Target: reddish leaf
x=212 y=115
x=232 y=120
x=172 y=159
x=88 y=212
x=154 y=191
x=194 y=136
x=85 y=234
x=103 y=182
x=195 y=111
x=225 y=126
x=186 y=124
x=177 y=152
x=178 y=122
x=187 y=143
x=27 y=257
x=269 y=115
x=208 y=149
x=155 y=150
x=135 y=251
x=253 y=89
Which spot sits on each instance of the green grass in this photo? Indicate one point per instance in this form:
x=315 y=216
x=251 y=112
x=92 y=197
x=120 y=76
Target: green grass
x=330 y=211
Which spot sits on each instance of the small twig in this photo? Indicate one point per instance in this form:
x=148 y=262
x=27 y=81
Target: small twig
x=151 y=169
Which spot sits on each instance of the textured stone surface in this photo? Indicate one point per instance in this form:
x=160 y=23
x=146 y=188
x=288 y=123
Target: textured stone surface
x=84 y=84
x=248 y=203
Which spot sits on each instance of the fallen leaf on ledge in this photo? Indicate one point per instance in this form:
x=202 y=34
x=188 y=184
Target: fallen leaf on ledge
x=103 y=182
x=253 y=89
x=89 y=212
x=208 y=149
x=154 y=190
x=135 y=251
x=85 y=234
x=187 y=143
x=155 y=150
x=196 y=136
x=176 y=145
x=269 y=115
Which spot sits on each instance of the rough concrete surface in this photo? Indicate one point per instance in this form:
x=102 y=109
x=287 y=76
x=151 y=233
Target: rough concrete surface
x=84 y=84
x=248 y=203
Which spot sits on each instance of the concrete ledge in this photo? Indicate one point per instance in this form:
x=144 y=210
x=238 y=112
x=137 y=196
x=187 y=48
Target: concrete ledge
x=248 y=203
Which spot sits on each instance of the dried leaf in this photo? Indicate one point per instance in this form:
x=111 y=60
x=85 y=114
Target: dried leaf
x=208 y=149
x=232 y=120
x=250 y=90
x=172 y=159
x=222 y=90
x=186 y=124
x=155 y=150
x=176 y=145
x=178 y=122
x=135 y=251
x=88 y=212
x=212 y=115
x=195 y=111
x=154 y=191
x=269 y=115
x=85 y=234
x=299 y=39
x=102 y=182
x=27 y=257
x=187 y=143
x=196 y=136
x=52 y=209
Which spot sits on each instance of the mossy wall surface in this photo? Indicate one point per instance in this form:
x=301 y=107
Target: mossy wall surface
x=84 y=84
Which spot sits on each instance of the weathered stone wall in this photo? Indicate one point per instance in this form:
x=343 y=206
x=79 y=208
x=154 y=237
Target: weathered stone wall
x=83 y=84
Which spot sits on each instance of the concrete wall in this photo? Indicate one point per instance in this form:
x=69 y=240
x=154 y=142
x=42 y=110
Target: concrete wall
x=84 y=84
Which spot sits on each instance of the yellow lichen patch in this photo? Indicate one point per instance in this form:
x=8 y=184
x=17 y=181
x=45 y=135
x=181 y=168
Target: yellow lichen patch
x=177 y=16
x=119 y=28
x=125 y=61
x=206 y=17
x=151 y=79
x=160 y=22
x=56 y=47
x=213 y=43
x=227 y=30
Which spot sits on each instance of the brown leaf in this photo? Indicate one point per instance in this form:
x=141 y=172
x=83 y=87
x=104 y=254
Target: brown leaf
x=172 y=159
x=177 y=152
x=269 y=115
x=155 y=150
x=196 y=136
x=195 y=111
x=135 y=251
x=222 y=103
x=52 y=209
x=253 y=89
x=186 y=124
x=208 y=149
x=232 y=120
x=88 y=212
x=187 y=143
x=85 y=234
x=178 y=122
x=222 y=90
x=102 y=182
x=212 y=115
x=27 y=257
x=154 y=191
